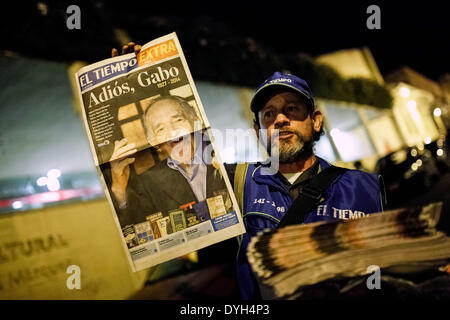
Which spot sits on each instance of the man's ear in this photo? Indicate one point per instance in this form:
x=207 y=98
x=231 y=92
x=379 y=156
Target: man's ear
x=256 y=127
x=317 y=119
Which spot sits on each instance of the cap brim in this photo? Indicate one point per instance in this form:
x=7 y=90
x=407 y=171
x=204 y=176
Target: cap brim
x=264 y=92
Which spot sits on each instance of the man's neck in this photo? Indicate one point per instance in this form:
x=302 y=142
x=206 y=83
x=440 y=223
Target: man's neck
x=302 y=163
x=187 y=168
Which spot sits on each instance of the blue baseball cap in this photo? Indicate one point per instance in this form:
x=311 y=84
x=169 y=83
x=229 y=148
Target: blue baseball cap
x=276 y=81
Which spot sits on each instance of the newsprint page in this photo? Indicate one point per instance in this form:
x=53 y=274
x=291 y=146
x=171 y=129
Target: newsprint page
x=156 y=157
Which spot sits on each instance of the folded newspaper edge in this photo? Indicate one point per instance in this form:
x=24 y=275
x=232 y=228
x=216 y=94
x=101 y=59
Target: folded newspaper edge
x=291 y=258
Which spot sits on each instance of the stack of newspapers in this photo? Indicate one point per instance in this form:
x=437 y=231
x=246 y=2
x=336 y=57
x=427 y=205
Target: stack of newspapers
x=288 y=259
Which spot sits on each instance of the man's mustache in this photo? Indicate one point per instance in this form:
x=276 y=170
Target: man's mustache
x=288 y=130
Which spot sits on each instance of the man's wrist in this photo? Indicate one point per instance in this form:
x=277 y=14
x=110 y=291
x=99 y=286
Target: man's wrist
x=120 y=198
x=123 y=205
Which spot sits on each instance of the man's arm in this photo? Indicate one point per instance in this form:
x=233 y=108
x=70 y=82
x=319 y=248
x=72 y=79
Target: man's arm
x=120 y=169
x=120 y=160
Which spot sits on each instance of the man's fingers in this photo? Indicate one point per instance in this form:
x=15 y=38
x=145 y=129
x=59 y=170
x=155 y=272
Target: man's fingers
x=126 y=162
x=123 y=150
x=114 y=52
x=137 y=48
x=126 y=154
x=120 y=143
x=128 y=48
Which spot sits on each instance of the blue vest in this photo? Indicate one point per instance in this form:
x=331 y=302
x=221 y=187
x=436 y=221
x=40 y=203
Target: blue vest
x=352 y=195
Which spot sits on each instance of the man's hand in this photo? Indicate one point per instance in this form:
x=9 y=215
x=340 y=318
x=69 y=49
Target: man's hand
x=128 y=48
x=120 y=164
x=120 y=168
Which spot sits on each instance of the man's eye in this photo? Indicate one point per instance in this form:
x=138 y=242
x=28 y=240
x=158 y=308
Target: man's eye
x=268 y=114
x=292 y=108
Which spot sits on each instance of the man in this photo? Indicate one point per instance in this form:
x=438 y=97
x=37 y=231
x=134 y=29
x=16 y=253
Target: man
x=284 y=106
x=183 y=177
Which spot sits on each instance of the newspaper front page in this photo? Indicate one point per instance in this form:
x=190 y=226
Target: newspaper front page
x=152 y=145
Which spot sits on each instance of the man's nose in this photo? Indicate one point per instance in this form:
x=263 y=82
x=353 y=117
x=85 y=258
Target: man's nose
x=281 y=120
x=177 y=130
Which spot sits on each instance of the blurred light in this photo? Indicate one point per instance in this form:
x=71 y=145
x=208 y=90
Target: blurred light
x=404 y=92
x=437 y=112
x=420 y=147
x=335 y=132
x=414 y=166
x=49 y=197
x=412 y=105
x=17 y=204
x=349 y=145
x=427 y=140
x=324 y=149
x=419 y=162
x=43 y=8
x=53 y=184
x=54 y=173
x=439 y=152
x=399 y=156
x=440 y=143
x=42 y=181
x=414 y=152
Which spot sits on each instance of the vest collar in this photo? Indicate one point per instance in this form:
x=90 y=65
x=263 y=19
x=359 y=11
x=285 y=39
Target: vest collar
x=273 y=180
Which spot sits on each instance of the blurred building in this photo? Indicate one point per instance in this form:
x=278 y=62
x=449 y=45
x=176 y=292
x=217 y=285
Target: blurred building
x=357 y=62
x=444 y=82
x=416 y=101
x=361 y=132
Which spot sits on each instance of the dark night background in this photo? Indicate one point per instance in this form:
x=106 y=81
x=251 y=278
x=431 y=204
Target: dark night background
x=413 y=33
x=232 y=42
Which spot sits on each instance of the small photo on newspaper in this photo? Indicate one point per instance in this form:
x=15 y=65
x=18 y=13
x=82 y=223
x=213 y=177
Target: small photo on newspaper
x=152 y=144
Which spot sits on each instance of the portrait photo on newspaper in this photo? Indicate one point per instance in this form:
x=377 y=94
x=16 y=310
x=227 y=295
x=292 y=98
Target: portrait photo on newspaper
x=174 y=187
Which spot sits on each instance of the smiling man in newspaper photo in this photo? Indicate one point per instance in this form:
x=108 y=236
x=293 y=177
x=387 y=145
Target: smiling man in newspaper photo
x=183 y=177
x=186 y=186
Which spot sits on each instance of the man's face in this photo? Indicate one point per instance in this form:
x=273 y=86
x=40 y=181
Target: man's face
x=286 y=111
x=172 y=131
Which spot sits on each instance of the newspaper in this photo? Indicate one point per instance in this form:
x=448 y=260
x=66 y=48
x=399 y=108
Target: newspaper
x=289 y=260
x=155 y=154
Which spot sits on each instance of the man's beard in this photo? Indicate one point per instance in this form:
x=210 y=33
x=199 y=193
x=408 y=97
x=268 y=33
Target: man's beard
x=291 y=149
